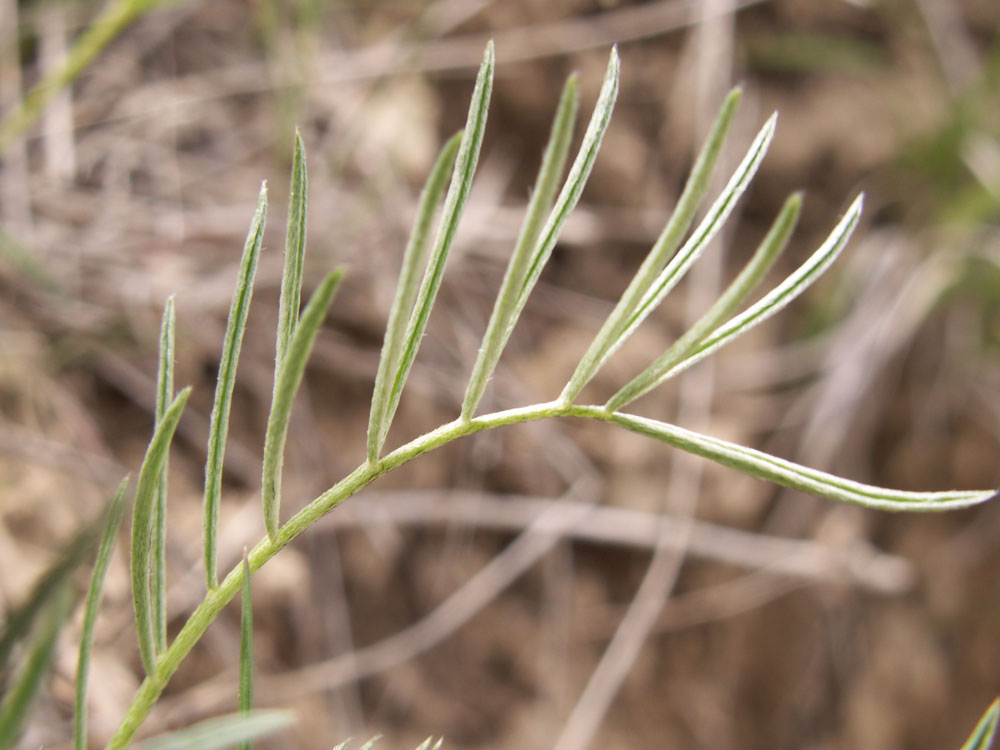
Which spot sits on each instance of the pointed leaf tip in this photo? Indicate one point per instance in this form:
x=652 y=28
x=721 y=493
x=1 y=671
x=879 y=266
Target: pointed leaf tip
x=665 y=247
x=451 y=214
x=543 y=195
x=226 y=380
x=672 y=361
x=985 y=732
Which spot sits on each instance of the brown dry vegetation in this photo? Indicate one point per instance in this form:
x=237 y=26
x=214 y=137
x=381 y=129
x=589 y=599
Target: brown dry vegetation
x=140 y=183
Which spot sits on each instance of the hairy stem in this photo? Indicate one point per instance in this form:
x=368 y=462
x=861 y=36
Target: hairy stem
x=218 y=598
x=747 y=460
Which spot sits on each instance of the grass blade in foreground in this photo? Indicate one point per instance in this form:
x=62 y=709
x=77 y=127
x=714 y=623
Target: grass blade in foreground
x=219 y=426
x=116 y=512
x=164 y=395
x=787 y=473
x=542 y=197
x=666 y=244
x=774 y=301
x=286 y=386
x=295 y=251
x=985 y=732
x=112 y=21
x=19 y=621
x=245 y=697
x=406 y=292
x=454 y=204
x=17 y=702
x=222 y=732
x=142 y=520
x=770 y=248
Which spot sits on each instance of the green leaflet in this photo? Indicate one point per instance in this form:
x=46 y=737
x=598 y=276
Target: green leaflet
x=295 y=251
x=542 y=197
x=770 y=248
x=787 y=473
x=222 y=732
x=985 y=732
x=775 y=300
x=406 y=292
x=219 y=424
x=142 y=527
x=573 y=187
x=113 y=521
x=681 y=263
x=288 y=379
x=164 y=395
x=454 y=205
x=666 y=244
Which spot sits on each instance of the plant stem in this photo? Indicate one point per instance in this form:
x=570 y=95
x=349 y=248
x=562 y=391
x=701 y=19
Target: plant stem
x=747 y=460
x=217 y=599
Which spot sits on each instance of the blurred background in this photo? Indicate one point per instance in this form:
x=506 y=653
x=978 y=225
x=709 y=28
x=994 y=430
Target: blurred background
x=547 y=585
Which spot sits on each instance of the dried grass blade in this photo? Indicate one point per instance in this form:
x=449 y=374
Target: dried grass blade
x=142 y=527
x=164 y=395
x=983 y=735
x=245 y=696
x=454 y=204
x=219 y=425
x=542 y=198
x=112 y=20
x=17 y=701
x=763 y=258
x=789 y=474
x=779 y=297
x=113 y=521
x=406 y=290
x=287 y=383
x=666 y=245
x=295 y=250
x=222 y=732
x=680 y=263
